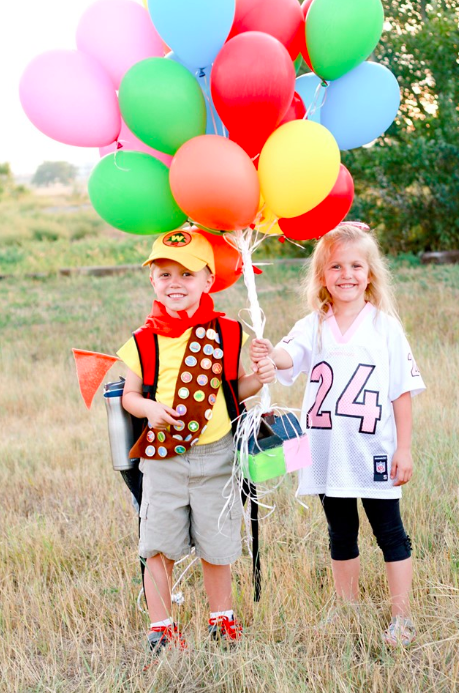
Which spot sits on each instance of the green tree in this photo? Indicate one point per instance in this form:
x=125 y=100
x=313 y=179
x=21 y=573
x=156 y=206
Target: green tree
x=50 y=172
x=407 y=184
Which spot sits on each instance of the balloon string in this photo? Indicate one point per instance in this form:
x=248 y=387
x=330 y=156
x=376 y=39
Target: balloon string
x=120 y=168
x=314 y=105
x=209 y=100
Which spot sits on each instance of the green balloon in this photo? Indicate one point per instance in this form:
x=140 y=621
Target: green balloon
x=131 y=191
x=341 y=34
x=162 y=103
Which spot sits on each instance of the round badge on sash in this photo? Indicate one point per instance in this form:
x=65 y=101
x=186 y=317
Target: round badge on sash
x=191 y=361
x=179 y=426
x=217 y=368
x=162 y=452
x=208 y=414
x=186 y=377
x=195 y=347
x=202 y=380
x=208 y=349
x=179 y=449
x=218 y=353
x=210 y=333
x=150 y=436
x=200 y=332
x=150 y=451
x=193 y=426
x=183 y=393
x=181 y=410
x=212 y=399
x=161 y=438
x=199 y=396
x=215 y=383
x=206 y=364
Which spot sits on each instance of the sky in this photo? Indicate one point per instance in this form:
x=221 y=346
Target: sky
x=31 y=27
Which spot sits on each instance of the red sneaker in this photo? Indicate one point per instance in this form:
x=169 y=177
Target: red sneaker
x=221 y=628
x=161 y=637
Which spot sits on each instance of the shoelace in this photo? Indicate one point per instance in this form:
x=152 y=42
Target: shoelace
x=224 y=628
x=170 y=634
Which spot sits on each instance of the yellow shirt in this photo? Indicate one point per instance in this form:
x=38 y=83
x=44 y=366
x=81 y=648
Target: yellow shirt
x=171 y=353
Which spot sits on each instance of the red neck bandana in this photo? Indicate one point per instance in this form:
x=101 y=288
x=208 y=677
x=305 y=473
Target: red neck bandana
x=165 y=325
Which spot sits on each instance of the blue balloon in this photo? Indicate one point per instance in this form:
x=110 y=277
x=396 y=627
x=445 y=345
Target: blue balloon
x=214 y=125
x=307 y=86
x=194 y=29
x=361 y=105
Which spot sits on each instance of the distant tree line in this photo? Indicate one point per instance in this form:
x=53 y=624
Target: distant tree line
x=50 y=172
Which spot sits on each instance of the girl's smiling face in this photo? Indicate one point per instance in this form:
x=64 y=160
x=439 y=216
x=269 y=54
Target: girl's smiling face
x=347 y=275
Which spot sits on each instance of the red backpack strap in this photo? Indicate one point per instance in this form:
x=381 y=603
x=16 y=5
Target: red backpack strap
x=231 y=336
x=147 y=346
x=230 y=333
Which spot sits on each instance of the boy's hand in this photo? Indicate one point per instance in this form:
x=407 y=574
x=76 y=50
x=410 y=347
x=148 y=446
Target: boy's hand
x=402 y=466
x=159 y=415
x=260 y=349
x=265 y=370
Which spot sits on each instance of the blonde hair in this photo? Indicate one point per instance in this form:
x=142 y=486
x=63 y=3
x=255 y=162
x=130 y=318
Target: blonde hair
x=379 y=291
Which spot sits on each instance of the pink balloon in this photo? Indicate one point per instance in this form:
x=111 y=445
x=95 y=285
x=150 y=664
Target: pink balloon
x=69 y=97
x=118 y=33
x=128 y=141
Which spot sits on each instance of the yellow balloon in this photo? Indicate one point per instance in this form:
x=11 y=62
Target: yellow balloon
x=266 y=220
x=145 y=4
x=298 y=167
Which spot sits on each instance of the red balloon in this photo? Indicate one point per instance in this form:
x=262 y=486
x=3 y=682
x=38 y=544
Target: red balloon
x=252 y=84
x=228 y=261
x=282 y=19
x=303 y=47
x=326 y=215
x=297 y=110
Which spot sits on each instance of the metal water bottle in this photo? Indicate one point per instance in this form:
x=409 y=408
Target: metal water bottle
x=120 y=427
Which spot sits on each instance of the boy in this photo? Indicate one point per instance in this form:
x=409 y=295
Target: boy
x=191 y=355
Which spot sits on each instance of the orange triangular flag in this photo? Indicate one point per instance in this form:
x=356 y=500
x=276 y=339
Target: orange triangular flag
x=91 y=370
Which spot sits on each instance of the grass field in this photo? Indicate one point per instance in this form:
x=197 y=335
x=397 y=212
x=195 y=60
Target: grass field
x=69 y=575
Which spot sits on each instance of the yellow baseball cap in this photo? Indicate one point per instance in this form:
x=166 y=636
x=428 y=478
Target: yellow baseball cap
x=187 y=247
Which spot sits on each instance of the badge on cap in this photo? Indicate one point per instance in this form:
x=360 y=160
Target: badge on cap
x=177 y=239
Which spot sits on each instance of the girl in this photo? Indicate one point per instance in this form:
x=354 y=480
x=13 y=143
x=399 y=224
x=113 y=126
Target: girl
x=357 y=407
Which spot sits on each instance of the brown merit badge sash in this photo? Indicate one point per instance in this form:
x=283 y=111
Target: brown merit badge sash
x=196 y=390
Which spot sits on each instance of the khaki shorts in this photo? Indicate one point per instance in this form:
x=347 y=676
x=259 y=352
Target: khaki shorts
x=190 y=500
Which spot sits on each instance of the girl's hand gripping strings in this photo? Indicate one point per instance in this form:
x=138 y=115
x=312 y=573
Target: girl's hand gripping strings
x=262 y=349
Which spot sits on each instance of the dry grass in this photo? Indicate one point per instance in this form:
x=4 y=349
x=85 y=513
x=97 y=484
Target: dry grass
x=69 y=574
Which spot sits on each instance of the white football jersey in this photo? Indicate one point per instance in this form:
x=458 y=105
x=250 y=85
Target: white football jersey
x=347 y=408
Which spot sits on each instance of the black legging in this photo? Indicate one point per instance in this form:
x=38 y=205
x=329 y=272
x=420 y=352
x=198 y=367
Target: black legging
x=386 y=523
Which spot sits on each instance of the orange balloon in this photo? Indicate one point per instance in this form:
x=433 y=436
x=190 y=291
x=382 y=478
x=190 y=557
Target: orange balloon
x=228 y=261
x=215 y=183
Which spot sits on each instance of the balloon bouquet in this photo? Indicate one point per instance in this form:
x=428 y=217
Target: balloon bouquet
x=218 y=132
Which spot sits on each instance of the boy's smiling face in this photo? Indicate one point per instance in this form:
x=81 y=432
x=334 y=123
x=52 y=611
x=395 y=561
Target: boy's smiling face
x=177 y=287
